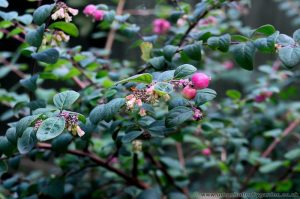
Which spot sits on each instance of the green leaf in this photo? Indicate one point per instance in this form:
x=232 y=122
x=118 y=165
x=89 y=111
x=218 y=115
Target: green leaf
x=273 y=133
x=233 y=94
x=8 y=16
x=113 y=107
x=129 y=137
x=25 y=19
x=11 y=135
x=169 y=51
x=265 y=45
x=292 y=154
x=42 y=13
x=35 y=37
x=296 y=35
x=146 y=48
x=30 y=83
x=204 y=96
x=269 y=167
x=24 y=123
x=4 y=3
x=3 y=168
x=97 y=114
x=26 y=141
x=49 y=56
x=178 y=116
x=240 y=38
x=55 y=188
x=163 y=88
x=193 y=51
x=6 y=147
x=184 y=70
x=171 y=162
x=60 y=143
x=284 y=40
x=64 y=100
x=69 y=28
x=50 y=128
x=157 y=62
x=152 y=193
x=221 y=43
x=140 y=78
x=265 y=29
x=243 y=54
x=289 y=56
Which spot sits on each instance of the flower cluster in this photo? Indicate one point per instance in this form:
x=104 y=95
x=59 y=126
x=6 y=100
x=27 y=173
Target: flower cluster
x=161 y=26
x=56 y=38
x=64 y=12
x=92 y=11
x=72 y=123
x=37 y=124
x=198 y=115
x=210 y=20
x=146 y=95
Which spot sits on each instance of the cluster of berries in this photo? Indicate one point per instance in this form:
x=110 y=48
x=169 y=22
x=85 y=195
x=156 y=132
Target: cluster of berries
x=62 y=11
x=198 y=81
x=72 y=123
x=92 y=11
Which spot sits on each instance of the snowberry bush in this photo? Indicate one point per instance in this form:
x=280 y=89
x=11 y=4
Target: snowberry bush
x=114 y=128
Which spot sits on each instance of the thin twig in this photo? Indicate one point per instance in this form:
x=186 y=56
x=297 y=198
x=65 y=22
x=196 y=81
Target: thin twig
x=134 y=171
x=100 y=162
x=170 y=179
x=112 y=32
x=270 y=149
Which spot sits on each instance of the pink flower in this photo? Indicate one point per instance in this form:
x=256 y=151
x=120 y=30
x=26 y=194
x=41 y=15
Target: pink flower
x=206 y=152
x=89 y=10
x=208 y=21
x=142 y=112
x=161 y=26
x=98 y=15
x=79 y=131
x=73 y=11
x=139 y=102
x=228 y=65
x=197 y=114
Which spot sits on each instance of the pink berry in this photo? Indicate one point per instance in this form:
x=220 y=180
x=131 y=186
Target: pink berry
x=161 y=26
x=189 y=92
x=89 y=10
x=200 y=80
x=206 y=152
x=98 y=15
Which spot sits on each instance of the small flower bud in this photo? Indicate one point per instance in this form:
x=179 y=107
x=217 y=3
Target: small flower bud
x=137 y=145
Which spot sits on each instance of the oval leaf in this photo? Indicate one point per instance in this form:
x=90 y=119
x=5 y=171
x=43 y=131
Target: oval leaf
x=42 y=13
x=184 y=71
x=68 y=28
x=178 y=115
x=140 y=78
x=65 y=99
x=50 y=128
